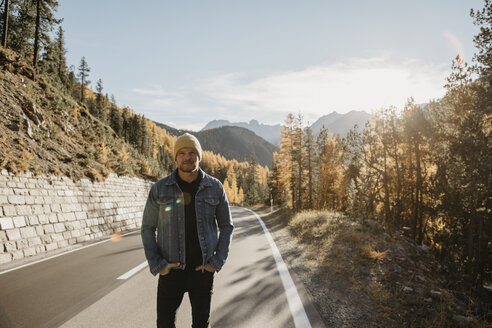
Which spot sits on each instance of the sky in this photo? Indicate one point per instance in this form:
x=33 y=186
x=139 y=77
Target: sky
x=185 y=63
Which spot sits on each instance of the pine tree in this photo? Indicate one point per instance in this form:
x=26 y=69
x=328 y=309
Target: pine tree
x=21 y=30
x=60 y=56
x=83 y=76
x=44 y=24
x=5 y=24
x=100 y=102
x=483 y=40
x=116 y=121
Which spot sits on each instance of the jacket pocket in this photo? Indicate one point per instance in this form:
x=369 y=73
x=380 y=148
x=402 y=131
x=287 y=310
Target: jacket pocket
x=210 y=206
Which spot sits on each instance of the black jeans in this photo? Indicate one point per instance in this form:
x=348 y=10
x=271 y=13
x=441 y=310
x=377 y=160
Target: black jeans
x=171 y=289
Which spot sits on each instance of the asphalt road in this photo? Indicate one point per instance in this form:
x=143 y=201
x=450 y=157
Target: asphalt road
x=81 y=289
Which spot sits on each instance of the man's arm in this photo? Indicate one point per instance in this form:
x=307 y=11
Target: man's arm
x=149 y=225
x=224 y=222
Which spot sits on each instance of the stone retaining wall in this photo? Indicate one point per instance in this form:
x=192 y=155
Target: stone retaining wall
x=43 y=213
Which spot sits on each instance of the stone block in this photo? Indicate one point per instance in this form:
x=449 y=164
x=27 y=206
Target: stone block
x=28 y=232
x=34 y=241
x=3 y=200
x=81 y=216
x=29 y=252
x=24 y=210
x=59 y=227
x=50 y=247
x=40 y=249
x=13 y=234
x=46 y=209
x=43 y=219
x=6 y=223
x=39 y=230
x=48 y=200
x=53 y=218
x=3 y=236
x=70 y=216
x=62 y=243
x=57 y=237
x=82 y=239
x=30 y=200
x=17 y=200
x=37 y=209
x=19 y=221
x=10 y=246
x=46 y=239
x=34 y=192
x=33 y=220
x=39 y=200
x=48 y=228
x=55 y=208
x=75 y=233
x=9 y=210
x=67 y=235
x=17 y=255
x=5 y=258
x=21 y=244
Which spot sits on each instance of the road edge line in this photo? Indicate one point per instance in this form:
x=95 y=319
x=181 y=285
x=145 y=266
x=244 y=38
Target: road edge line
x=297 y=310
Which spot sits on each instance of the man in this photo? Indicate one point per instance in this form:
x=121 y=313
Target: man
x=186 y=208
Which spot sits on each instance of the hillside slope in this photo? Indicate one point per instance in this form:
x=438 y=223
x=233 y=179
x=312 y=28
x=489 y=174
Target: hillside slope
x=47 y=132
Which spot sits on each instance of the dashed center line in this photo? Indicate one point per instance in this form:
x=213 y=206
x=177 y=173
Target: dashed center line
x=133 y=271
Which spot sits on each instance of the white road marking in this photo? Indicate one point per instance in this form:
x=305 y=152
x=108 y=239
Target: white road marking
x=64 y=253
x=133 y=271
x=295 y=304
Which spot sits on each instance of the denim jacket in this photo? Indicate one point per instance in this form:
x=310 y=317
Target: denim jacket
x=164 y=213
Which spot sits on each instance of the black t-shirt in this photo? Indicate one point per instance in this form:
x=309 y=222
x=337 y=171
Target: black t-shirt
x=193 y=250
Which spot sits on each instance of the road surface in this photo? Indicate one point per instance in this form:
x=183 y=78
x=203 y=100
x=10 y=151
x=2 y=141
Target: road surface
x=82 y=289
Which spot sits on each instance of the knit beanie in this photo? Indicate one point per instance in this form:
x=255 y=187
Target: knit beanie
x=187 y=141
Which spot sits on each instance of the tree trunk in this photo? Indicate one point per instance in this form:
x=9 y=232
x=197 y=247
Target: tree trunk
x=36 y=34
x=5 y=23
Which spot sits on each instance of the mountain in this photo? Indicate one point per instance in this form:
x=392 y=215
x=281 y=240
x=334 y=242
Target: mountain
x=341 y=123
x=335 y=122
x=270 y=133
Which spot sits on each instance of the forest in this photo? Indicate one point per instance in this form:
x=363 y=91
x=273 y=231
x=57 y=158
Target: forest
x=426 y=169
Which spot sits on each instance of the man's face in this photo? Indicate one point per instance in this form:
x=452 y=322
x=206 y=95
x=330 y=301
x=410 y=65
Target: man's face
x=187 y=160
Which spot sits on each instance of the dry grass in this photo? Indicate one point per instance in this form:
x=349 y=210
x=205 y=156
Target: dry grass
x=389 y=271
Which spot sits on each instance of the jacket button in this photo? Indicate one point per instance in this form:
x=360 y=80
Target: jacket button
x=179 y=219
x=179 y=236
x=179 y=252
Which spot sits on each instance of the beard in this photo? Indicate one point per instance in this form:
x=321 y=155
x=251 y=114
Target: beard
x=187 y=167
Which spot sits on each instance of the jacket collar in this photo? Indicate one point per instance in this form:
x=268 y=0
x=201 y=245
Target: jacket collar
x=206 y=179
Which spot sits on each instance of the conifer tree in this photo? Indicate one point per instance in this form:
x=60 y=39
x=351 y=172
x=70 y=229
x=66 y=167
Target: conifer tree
x=100 y=108
x=5 y=23
x=45 y=22
x=83 y=76
x=21 y=29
